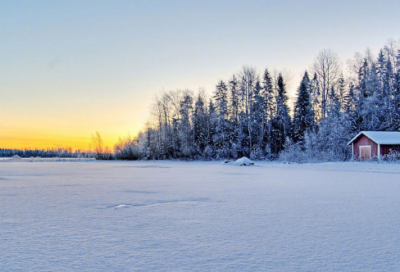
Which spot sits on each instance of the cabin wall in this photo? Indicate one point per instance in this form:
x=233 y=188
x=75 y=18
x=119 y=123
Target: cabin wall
x=385 y=149
x=364 y=140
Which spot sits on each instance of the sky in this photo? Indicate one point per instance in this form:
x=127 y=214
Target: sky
x=71 y=68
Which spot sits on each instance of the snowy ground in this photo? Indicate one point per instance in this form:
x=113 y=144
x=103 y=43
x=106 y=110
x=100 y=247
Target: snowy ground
x=198 y=216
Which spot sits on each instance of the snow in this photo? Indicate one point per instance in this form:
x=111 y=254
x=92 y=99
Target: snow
x=381 y=137
x=198 y=216
x=240 y=162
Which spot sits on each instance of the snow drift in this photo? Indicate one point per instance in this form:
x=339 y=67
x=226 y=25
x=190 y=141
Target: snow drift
x=240 y=162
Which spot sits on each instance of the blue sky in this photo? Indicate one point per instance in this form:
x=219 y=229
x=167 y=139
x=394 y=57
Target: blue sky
x=70 y=68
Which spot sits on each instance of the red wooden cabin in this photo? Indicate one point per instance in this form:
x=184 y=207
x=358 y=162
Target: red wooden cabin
x=368 y=144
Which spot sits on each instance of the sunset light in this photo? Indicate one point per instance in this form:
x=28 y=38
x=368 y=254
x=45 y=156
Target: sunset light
x=199 y=135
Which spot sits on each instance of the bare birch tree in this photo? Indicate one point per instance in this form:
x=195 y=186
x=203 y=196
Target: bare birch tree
x=328 y=69
x=97 y=145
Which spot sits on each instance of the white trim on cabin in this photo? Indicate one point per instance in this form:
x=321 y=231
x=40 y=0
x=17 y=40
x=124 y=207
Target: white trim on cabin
x=355 y=137
x=379 y=151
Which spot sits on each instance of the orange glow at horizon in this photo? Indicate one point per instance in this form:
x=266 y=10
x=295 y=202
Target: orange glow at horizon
x=39 y=141
x=28 y=138
x=69 y=125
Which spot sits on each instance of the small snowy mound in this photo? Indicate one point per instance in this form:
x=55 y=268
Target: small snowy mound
x=243 y=162
x=16 y=157
x=240 y=162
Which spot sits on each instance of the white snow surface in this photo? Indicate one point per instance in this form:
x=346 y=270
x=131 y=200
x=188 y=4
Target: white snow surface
x=381 y=137
x=240 y=162
x=198 y=216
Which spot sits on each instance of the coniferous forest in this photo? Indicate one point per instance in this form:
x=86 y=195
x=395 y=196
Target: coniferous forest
x=249 y=113
x=65 y=152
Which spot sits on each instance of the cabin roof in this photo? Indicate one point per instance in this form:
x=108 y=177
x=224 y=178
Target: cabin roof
x=380 y=137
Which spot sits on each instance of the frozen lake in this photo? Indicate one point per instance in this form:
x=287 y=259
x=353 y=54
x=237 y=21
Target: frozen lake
x=198 y=216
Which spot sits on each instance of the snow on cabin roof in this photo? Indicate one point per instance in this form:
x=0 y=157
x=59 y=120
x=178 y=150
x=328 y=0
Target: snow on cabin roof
x=380 y=137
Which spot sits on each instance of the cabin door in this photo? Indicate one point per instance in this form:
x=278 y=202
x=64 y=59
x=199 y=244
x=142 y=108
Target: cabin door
x=365 y=152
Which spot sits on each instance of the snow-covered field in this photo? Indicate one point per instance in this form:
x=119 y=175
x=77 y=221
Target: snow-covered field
x=198 y=216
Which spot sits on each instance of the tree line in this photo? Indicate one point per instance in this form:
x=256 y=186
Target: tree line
x=248 y=114
x=45 y=153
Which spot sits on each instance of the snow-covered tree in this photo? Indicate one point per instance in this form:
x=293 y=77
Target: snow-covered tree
x=303 y=119
x=200 y=117
x=221 y=136
x=281 y=123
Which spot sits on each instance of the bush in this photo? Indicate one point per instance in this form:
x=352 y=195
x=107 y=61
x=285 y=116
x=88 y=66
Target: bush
x=393 y=156
x=127 y=149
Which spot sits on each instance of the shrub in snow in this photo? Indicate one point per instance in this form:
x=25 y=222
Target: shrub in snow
x=16 y=157
x=393 y=156
x=295 y=153
x=126 y=149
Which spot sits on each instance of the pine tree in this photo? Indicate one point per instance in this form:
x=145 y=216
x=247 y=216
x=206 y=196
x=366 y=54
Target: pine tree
x=388 y=92
x=334 y=106
x=315 y=94
x=396 y=102
x=269 y=104
x=186 y=107
x=257 y=122
x=303 y=113
x=212 y=120
x=234 y=130
x=281 y=123
x=221 y=137
x=200 y=125
x=234 y=99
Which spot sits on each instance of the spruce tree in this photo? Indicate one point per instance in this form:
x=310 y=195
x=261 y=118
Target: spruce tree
x=221 y=138
x=315 y=93
x=234 y=98
x=212 y=120
x=257 y=122
x=281 y=124
x=303 y=118
x=234 y=130
x=186 y=107
x=396 y=101
x=200 y=125
x=269 y=103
